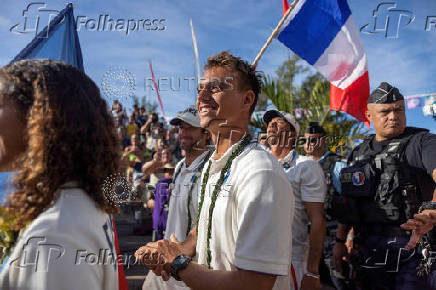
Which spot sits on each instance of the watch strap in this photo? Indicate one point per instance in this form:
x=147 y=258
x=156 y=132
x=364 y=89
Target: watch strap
x=180 y=262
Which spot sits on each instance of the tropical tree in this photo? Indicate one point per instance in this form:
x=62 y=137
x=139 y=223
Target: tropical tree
x=144 y=102
x=310 y=101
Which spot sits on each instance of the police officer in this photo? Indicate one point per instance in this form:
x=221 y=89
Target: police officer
x=387 y=178
x=331 y=164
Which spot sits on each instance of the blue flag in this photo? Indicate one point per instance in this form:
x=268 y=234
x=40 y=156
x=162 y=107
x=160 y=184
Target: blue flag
x=57 y=41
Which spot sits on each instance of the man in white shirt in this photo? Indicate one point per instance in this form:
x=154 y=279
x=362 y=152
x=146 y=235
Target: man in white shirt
x=183 y=203
x=307 y=180
x=246 y=202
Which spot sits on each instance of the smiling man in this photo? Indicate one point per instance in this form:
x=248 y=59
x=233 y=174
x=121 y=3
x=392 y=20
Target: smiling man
x=388 y=176
x=181 y=208
x=246 y=202
x=307 y=180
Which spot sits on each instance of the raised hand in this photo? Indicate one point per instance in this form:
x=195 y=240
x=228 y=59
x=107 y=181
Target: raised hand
x=421 y=224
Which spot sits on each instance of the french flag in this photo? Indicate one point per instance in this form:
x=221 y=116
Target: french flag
x=323 y=33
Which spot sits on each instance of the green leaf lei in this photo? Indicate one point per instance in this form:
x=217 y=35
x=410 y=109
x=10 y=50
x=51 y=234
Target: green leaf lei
x=194 y=181
x=216 y=189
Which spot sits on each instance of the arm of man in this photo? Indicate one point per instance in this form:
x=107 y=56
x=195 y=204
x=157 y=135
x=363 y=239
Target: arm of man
x=420 y=153
x=198 y=277
x=421 y=223
x=150 y=167
x=423 y=157
x=313 y=190
x=265 y=205
x=340 y=250
x=315 y=210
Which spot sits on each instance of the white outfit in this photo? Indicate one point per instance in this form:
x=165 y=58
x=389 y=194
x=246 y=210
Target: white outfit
x=251 y=223
x=68 y=246
x=308 y=185
x=177 y=222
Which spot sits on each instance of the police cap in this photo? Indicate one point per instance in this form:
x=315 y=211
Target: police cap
x=385 y=94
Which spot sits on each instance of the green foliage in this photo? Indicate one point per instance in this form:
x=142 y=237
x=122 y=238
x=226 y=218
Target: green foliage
x=144 y=102
x=8 y=235
x=312 y=98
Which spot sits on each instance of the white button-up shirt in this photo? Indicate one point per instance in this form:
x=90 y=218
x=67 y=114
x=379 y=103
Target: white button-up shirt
x=308 y=185
x=177 y=221
x=252 y=217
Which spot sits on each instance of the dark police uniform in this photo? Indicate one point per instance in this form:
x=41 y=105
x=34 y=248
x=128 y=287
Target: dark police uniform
x=341 y=281
x=384 y=185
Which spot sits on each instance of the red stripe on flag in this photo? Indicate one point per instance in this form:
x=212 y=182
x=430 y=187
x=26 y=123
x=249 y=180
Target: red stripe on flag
x=285 y=6
x=157 y=89
x=353 y=99
x=122 y=282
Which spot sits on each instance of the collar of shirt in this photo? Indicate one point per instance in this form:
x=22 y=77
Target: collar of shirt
x=194 y=165
x=218 y=164
x=288 y=159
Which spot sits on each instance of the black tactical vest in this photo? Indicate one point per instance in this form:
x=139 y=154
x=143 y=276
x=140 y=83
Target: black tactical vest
x=328 y=164
x=379 y=187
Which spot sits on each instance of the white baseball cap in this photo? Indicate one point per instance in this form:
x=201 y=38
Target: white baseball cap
x=190 y=116
x=271 y=114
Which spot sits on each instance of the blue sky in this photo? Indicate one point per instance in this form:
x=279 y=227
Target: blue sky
x=240 y=26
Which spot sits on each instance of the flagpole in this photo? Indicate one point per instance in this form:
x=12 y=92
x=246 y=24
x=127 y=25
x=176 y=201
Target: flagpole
x=195 y=47
x=196 y=57
x=273 y=34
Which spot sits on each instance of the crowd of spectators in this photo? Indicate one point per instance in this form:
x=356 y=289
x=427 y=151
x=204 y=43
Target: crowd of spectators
x=150 y=150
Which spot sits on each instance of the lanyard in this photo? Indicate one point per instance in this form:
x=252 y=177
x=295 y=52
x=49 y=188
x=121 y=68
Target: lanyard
x=287 y=164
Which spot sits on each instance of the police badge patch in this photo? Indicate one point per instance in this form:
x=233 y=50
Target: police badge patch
x=358 y=178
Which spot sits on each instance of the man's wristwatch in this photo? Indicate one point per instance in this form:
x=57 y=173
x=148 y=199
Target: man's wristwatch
x=180 y=262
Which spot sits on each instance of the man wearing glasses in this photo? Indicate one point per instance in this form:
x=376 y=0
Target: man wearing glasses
x=309 y=190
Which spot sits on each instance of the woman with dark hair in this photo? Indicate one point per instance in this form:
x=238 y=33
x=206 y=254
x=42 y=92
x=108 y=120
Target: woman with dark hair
x=62 y=235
